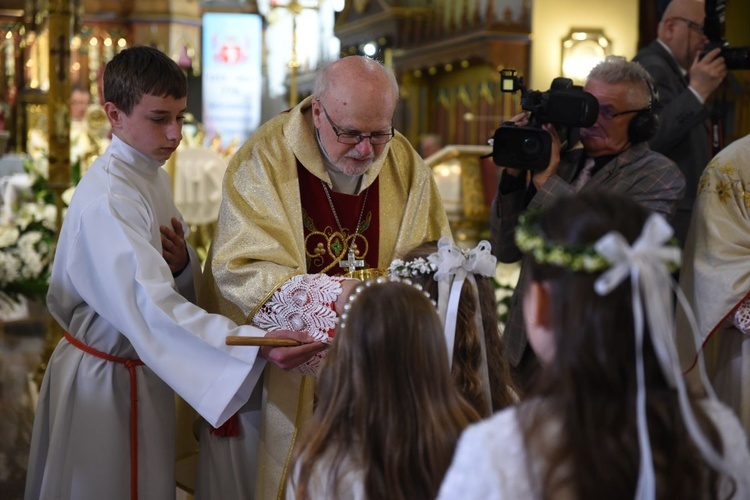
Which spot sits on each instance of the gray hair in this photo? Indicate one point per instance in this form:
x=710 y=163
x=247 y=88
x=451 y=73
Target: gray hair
x=324 y=76
x=616 y=69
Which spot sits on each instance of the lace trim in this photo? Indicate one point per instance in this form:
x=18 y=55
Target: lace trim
x=304 y=304
x=312 y=366
x=742 y=317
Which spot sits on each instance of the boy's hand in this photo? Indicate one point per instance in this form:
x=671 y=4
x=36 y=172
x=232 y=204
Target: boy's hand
x=173 y=247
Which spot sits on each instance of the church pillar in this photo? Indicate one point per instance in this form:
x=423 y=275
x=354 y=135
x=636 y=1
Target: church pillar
x=58 y=105
x=60 y=23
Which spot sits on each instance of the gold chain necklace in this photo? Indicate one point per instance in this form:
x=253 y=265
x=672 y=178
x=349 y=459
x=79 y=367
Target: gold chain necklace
x=336 y=215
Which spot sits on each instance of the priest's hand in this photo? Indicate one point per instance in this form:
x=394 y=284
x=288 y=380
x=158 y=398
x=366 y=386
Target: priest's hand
x=173 y=247
x=287 y=358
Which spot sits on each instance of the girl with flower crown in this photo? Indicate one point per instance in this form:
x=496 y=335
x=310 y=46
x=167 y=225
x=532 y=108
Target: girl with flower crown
x=459 y=281
x=387 y=416
x=611 y=416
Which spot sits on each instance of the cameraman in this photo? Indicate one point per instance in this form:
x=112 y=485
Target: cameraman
x=615 y=157
x=685 y=80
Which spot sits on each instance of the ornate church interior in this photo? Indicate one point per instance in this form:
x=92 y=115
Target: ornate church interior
x=248 y=60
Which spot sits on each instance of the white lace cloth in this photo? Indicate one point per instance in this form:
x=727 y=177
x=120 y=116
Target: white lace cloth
x=742 y=317
x=304 y=304
x=490 y=459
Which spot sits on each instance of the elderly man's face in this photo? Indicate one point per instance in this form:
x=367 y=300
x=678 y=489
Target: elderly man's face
x=609 y=135
x=358 y=116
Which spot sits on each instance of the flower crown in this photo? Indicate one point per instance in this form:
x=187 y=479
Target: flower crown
x=447 y=261
x=411 y=268
x=580 y=258
x=646 y=263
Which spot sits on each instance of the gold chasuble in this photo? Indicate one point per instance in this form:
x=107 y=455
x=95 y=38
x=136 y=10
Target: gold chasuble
x=276 y=221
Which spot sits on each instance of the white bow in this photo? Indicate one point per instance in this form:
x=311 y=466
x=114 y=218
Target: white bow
x=454 y=265
x=647 y=264
x=453 y=261
x=648 y=251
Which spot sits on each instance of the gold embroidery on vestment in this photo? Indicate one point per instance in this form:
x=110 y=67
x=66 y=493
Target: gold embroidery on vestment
x=336 y=243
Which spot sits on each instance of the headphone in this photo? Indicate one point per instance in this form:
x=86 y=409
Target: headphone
x=644 y=124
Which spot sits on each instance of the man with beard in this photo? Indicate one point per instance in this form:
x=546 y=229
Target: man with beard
x=615 y=157
x=324 y=188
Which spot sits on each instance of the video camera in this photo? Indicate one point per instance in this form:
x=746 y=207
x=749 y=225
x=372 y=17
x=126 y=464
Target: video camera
x=564 y=105
x=713 y=28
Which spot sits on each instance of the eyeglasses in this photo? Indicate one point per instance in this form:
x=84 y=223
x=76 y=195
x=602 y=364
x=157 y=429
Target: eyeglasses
x=608 y=114
x=691 y=24
x=355 y=137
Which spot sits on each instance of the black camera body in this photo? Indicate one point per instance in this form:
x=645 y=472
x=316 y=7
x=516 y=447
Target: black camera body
x=713 y=28
x=564 y=105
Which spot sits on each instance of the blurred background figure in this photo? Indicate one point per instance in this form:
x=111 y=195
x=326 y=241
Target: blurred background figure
x=89 y=130
x=80 y=98
x=685 y=80
x=429 y=144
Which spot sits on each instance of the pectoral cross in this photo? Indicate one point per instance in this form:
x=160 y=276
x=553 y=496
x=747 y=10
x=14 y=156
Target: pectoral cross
x=352 y=262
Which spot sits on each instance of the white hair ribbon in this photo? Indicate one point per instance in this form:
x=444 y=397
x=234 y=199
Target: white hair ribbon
x=646 y=263
x=453 y=266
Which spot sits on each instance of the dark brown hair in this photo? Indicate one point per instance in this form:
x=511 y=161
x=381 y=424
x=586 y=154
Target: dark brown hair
x=590 y=385
x=386 y=404
x=141 y=70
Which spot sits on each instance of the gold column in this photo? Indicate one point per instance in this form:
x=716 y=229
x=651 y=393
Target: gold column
x=60 y=24
x=58 y=108
x=295 y=8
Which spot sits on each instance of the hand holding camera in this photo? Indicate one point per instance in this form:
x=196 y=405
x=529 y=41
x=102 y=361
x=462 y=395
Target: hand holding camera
x=532 y=140
x=540 y=175
x=707 y=72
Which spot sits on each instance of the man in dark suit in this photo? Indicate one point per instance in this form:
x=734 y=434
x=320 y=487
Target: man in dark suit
x=615 y=157
x=684 y=80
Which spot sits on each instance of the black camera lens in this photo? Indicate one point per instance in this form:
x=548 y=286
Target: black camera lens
x=521 y=147
x=531 y=147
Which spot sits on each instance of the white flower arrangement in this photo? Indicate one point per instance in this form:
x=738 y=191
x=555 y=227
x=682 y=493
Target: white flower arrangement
x=27 y=239
x=26 y=251
x=412 y=268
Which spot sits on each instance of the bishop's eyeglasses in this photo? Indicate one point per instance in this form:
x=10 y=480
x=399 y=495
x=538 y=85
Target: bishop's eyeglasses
x=355 y=137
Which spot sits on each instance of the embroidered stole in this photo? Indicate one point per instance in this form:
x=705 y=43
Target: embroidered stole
x=326 y=245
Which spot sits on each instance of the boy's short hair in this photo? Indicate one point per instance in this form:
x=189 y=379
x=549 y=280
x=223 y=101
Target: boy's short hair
x=141 y=70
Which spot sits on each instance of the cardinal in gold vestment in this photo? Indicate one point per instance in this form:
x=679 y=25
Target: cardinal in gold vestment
x=294 y=204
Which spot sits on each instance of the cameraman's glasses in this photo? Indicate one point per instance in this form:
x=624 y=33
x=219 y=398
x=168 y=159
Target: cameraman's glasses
x=608 y=113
